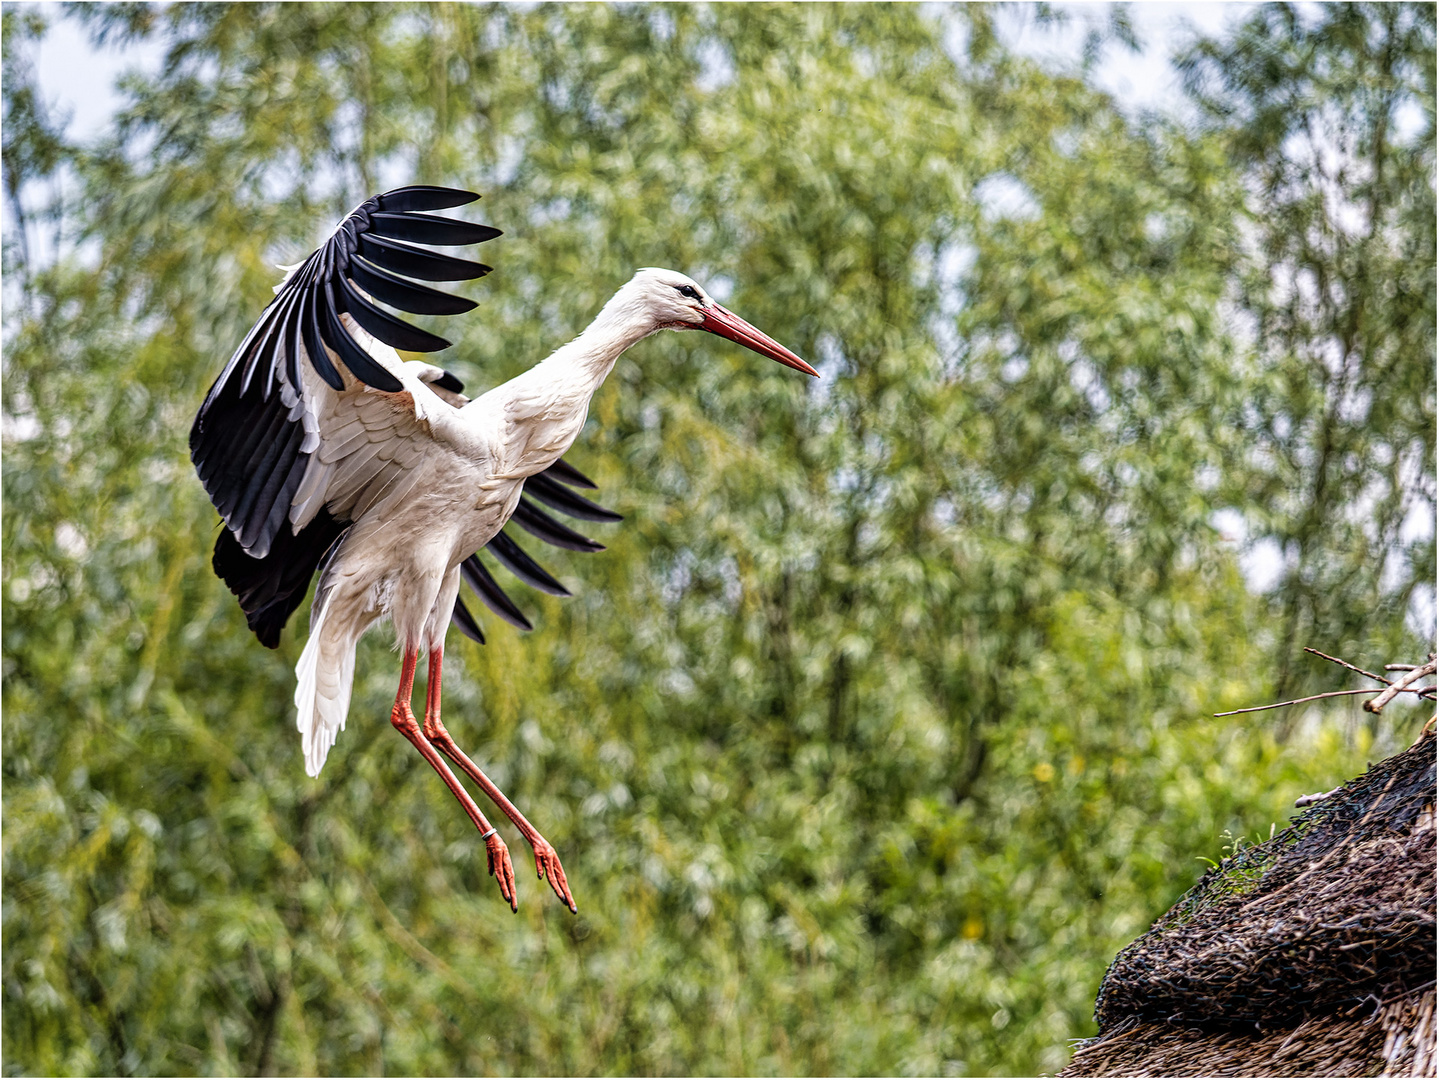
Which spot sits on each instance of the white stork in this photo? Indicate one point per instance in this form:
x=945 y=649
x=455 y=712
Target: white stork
x=323 y=450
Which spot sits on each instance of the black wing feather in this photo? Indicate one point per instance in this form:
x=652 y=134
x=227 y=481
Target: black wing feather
x=361 y=364
x=566 y=473
x=314 y=344
x=465 y=622
x=561 y=498
x=291 y=319
x=417 y=262
x=514 y=559
x=238 y=472
x=427 y=229
x=271 y=588
x=390 y=330
x=246 y=441
x=488 y=590
x=423 y=197
x=537 y=523
x=257 y=346
x=406 y=295
x=451 y=382
x=271 y=468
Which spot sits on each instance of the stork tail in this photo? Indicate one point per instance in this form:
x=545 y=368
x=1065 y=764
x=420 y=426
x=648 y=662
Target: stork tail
x=324 y=677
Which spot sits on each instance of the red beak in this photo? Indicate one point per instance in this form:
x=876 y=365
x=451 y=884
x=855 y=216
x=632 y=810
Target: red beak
x=729 y=325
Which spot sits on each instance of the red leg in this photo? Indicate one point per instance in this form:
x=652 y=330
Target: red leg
x=403 y=717
x=547 y=861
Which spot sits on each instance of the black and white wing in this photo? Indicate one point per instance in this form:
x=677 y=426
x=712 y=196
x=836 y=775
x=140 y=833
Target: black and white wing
x=553 y=487
x=257 y=439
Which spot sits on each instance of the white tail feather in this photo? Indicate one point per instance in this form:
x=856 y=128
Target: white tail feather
x=325 y=674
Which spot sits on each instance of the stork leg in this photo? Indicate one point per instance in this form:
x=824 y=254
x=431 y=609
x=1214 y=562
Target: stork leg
x=547 y=861
x=403 y=717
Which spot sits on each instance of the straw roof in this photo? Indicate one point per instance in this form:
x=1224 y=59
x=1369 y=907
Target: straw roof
x=1310 y=954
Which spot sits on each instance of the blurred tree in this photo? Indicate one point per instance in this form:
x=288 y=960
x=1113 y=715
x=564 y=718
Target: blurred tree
x=880 y=726
x=1330 y=114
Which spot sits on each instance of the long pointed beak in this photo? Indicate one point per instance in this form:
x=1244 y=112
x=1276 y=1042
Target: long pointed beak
x=727 y=324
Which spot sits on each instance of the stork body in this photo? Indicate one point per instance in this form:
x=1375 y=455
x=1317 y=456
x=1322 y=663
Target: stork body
x=401 y=558
x=324 y=450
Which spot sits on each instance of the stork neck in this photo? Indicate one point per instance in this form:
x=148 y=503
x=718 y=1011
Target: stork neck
x=590 y=357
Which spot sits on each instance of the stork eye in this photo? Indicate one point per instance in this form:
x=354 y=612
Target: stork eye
x=688 y=290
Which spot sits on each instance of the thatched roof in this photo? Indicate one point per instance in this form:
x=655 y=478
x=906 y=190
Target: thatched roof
x=1310 y=954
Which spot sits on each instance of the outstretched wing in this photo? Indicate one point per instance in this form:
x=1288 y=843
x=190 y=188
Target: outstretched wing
x=307 y=425
x=260 y=422
x=553 y=488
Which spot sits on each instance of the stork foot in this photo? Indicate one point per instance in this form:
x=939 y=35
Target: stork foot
x=547 y=866
x=501 y=869
x=547 y=860
x=402 y=716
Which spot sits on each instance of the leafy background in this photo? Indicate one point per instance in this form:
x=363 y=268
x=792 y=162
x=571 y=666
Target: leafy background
x=885 y=719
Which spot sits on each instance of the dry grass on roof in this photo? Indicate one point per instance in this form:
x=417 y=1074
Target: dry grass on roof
x=1361 y=1045
x=1310 y=954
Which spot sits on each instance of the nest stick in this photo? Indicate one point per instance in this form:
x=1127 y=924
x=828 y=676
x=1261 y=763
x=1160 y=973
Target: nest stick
x=1402 y=684
x=1351 y=667
x=1296 y=701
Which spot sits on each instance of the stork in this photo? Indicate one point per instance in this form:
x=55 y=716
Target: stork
x=324 y=451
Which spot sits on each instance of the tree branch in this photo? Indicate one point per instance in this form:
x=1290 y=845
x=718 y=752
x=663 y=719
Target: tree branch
x=1351 y=667
x=1297 y=701
x=1403 y=684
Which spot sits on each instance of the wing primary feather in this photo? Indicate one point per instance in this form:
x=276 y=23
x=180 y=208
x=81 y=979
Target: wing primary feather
x=325 y=266
x=390 y=330
x=362 y=365
x=223 y=380
x=417 y=262
x=273 y=351
x=350 y=229
x=489 y=591
x=566 y=473
x=310 y=333
x=465 y=622
x=449 y=381
x=518 y=562
x=260 y=348
x=264 y=485
x=561 y=498
x=230 y=470
x=290 y=341
x=427 y=229
x=406 y=295
x=279 y=512
x=539 y=524
x=423 y=197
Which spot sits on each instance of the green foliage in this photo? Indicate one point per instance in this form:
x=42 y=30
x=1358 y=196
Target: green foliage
x=884 y=721
x=1339 y=295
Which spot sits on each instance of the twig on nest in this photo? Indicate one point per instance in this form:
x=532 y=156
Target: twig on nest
x=1351 y=667
x=1398 y=687
x=1297 y=701
x=1405 y=685
x=1310 y=800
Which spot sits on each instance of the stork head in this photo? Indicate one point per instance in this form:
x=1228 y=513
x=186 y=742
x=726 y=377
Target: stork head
x=677 y=302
